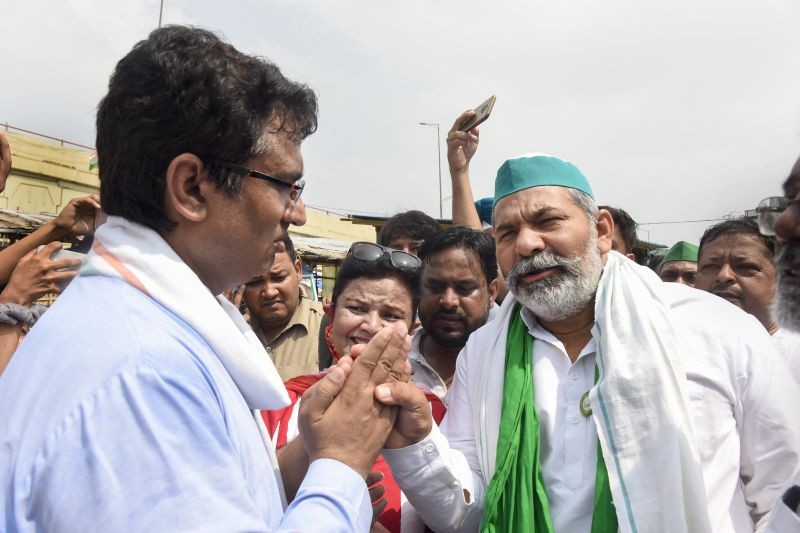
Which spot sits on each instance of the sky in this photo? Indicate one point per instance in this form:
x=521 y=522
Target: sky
x=676 y=111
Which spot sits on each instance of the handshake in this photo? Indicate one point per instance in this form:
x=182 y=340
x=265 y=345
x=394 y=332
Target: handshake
x=365 y=403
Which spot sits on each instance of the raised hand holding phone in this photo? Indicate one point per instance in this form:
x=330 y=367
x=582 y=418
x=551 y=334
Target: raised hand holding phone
x=462 y=143
x=482 y=112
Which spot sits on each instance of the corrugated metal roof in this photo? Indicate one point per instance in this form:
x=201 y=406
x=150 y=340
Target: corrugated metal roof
x=320 y=248
x=17 y=222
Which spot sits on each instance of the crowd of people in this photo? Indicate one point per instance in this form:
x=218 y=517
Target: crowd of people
x=515 y=371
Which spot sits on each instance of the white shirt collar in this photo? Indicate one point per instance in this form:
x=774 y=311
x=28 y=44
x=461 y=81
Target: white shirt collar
x=537 y=331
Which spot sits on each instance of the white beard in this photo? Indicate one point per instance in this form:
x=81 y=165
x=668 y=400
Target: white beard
x=786 y=306
x=564 y=294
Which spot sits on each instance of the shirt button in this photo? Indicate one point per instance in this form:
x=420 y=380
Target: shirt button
x=574 y=376
x=454 y=484
x=269 y=350
x=429 y=448
x=574 y=419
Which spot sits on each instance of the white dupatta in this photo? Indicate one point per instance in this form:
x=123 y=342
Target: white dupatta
x=639 y=404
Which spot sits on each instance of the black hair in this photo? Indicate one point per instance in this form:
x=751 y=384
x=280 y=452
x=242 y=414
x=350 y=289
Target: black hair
x=413 y=224
x=627 y=226
x=478 y=242
x=352 y=269
x=290 y=251
x=736 y=226
x=184 y=90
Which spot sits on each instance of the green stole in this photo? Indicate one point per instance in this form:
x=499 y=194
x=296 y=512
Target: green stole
x=516 y=499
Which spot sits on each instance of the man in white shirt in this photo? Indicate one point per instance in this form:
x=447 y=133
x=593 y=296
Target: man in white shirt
x=786 y=308
x=783 y=222
x=457 y=290
x=735 y=262
x=684 y=393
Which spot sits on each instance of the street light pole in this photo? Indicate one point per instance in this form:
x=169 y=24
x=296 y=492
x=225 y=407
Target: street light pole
x=160 y=12
x=439 y=152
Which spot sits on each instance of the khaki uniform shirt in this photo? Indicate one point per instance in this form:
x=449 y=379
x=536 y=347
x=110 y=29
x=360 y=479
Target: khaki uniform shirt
x=295 y=350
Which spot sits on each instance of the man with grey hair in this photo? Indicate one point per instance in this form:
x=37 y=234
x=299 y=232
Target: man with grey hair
x=784 y=224
x=781 y=217
x=596 y=383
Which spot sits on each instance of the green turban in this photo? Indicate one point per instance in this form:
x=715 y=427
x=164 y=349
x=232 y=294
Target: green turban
x=681 y=251
x=537 y=170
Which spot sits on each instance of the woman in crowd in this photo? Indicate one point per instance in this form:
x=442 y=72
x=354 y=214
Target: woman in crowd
x=375 y=286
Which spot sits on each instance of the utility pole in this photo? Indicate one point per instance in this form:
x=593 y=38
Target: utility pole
x=439 y=152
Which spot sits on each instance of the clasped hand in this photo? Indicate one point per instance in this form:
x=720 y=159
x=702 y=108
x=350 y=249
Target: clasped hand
x=364 y=404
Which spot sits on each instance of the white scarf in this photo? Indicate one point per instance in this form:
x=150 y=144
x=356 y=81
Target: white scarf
x=639 y=404
x=142 y=258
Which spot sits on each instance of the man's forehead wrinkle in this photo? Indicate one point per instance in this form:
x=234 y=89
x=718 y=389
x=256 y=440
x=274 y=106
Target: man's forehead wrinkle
x=537 y=212
x=517 y=210
x=732 y=254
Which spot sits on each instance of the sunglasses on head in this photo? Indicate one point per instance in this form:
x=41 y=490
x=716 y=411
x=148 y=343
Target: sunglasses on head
x=369 y=251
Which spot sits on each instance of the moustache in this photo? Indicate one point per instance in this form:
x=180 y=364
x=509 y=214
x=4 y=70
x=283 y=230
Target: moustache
x=540 y=261
x=449 y=313
x=726 y=288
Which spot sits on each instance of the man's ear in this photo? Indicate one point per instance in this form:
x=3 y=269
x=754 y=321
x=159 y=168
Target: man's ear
x=298 y=267
x=605 y=231
x=187 y=188
x=494 y=288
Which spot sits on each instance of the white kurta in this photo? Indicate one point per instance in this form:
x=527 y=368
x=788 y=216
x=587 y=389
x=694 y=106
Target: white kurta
x=741 y=403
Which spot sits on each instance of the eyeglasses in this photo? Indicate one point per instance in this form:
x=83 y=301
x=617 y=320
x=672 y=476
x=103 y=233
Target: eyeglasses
x=768 y=211
x=369 y=251
x=295 y=189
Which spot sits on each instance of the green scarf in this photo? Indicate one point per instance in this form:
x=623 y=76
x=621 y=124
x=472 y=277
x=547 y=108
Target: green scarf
x=516 y=499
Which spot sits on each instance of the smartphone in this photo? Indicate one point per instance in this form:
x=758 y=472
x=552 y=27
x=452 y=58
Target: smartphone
x=482 y=112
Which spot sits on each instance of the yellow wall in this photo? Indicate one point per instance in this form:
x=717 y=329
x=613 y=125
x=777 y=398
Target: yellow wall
x=45 y=176
x=321 y=224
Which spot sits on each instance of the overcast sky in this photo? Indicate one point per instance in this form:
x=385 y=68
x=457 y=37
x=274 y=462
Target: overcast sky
x=677 y=110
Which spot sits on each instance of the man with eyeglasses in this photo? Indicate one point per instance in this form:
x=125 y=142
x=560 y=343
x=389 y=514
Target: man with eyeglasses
x=130 y=407
x=780 y=217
